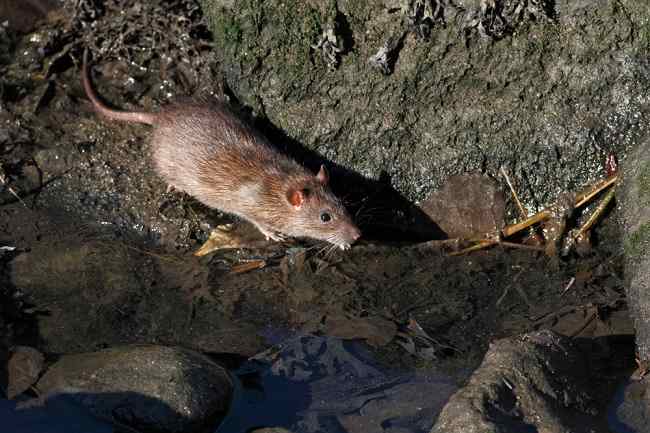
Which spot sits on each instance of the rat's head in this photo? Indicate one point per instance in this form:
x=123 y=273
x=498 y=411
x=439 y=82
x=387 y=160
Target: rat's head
x=316 y=213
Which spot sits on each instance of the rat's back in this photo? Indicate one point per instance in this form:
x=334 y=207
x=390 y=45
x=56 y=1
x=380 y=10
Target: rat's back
x=207 y=151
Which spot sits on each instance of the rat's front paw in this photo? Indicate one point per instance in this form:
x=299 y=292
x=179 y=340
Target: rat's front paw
x=272 y=235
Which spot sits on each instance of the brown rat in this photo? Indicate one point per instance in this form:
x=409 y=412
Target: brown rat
x=205 y=150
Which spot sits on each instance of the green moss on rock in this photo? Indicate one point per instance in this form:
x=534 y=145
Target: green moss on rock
x=455 y=102
x=277 y=33
x=637 y=243
x=231 y=32
x=643 y=180
x=301 y=30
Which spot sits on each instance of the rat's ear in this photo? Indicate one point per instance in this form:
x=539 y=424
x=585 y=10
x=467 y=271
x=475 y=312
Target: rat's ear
x=322 y=176
x=296 y=197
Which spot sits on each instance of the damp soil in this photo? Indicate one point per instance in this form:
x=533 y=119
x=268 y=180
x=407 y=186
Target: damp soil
x=104 y=253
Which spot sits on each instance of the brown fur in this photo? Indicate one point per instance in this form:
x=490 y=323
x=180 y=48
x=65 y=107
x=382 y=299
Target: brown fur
x=208 y=152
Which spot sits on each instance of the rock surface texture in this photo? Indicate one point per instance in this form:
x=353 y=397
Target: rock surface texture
x=538 y=382
x=149 y=388
x=631 y=411
x=418 y=93
x=635 y=205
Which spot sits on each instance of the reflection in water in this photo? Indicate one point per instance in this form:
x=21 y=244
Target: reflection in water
x=59 y=414
x=321 y=384
x=305 y=383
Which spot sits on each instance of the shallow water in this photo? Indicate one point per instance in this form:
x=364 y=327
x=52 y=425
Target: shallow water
x=304 y=383
x=56 y=415
x=310 y=384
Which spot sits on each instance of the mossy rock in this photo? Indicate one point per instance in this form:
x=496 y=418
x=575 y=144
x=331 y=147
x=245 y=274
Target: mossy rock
x=549 y=98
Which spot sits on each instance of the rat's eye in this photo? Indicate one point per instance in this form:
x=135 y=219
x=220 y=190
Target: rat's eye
x=325 y=217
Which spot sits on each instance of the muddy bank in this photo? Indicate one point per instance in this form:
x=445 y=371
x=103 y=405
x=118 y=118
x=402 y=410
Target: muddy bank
x=94 y=288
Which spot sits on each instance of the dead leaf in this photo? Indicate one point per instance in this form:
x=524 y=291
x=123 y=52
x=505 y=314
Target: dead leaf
x=467 y=205
x=293 y=263
x=248 y=266
x=376 y=330
x=415 y=340
x=223 y=238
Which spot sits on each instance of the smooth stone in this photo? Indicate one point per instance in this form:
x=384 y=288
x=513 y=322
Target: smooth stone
x=538 y=382
x=149 y=388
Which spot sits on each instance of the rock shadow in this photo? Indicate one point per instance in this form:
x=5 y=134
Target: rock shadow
x=18 y=319
x=382 y=213
x=111 y=412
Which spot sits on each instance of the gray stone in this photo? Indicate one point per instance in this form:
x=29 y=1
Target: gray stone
x=635 y=205
x=547 y=94
x=149 y=388
x=634 y=195
x=53 y=162
x=632 y=412
x=537 y=382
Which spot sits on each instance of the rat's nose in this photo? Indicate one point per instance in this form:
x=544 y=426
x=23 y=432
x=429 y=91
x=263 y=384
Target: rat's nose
x=355 y=234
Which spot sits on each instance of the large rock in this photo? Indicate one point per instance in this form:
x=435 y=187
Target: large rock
x=635 y=205
x=631 y=408
x=545 y=88
x=149 y=388
x=631 y=412
x=539 y=382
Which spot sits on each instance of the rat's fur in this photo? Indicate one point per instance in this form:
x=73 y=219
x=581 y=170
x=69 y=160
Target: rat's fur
x=208 y=152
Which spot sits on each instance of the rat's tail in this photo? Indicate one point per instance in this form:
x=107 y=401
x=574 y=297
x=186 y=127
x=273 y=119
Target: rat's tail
x=103 y=109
